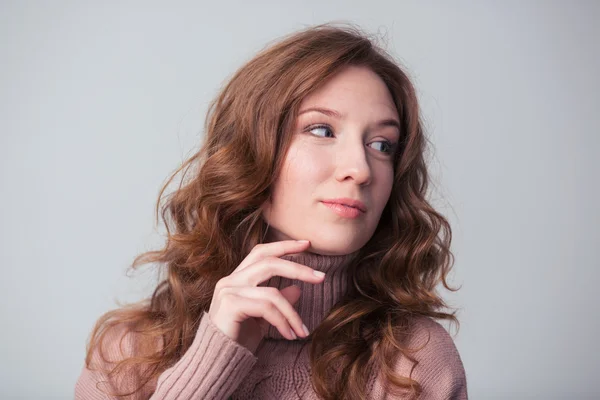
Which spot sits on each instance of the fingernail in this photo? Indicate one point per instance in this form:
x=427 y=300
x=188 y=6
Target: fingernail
x=293 y=334
x=319 y=273
x=302 y=241
x=305 y=330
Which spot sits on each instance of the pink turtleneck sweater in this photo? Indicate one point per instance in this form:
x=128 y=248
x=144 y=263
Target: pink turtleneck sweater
x=217 y=367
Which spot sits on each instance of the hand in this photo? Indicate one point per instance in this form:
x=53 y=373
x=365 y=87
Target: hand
x=243 y=311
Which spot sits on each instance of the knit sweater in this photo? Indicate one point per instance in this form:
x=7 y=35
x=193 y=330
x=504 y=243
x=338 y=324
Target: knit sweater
x=217 y=367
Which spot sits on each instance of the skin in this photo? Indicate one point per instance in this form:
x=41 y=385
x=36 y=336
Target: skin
x=350 y=155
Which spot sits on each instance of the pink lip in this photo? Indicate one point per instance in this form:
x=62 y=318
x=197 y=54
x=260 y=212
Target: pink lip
x=344 y=211
x=347 y=208
x=348 y=202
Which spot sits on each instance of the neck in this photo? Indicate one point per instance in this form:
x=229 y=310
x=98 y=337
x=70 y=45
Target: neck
x=316 y=300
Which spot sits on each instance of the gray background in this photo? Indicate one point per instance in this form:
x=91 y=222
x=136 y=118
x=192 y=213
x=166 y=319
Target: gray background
x=100 y=101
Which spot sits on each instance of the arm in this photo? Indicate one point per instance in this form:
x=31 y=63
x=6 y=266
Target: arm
x=212 y=368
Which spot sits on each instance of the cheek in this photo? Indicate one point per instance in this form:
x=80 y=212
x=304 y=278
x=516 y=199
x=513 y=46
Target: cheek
x=382 y=195
x=303 y=170
x=296 y=189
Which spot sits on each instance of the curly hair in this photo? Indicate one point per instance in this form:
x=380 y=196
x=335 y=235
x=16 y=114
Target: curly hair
x=214 y=219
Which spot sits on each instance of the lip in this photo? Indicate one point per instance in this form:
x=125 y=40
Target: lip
x=343 y=210
x=345 y=201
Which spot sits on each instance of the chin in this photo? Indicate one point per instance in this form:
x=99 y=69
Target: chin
x=330 y=241
x=335 y=246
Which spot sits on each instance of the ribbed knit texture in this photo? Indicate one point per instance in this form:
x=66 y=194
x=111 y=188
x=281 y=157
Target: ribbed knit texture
x=217 y=367
x=316 y=300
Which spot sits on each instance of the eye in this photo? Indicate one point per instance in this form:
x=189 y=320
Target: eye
x=383 y=146
x=322 y=128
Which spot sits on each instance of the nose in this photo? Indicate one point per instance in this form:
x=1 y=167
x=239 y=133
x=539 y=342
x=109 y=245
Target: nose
x=352 y=164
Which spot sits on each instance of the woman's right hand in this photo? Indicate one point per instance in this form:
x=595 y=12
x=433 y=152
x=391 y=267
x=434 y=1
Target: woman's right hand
x=243 y=311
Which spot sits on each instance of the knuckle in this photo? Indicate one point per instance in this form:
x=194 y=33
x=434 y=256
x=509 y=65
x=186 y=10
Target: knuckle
x=263 y=304
x=265 y=265
x=221 y=284
x=271 y=291
x=228 y=299
x=280 y=246
x=270 y=261
x=270 y=307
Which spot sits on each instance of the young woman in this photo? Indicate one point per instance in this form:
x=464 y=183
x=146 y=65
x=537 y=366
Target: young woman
x=302 y=257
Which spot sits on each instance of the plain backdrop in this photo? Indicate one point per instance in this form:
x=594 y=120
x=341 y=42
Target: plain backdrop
x=101 y=101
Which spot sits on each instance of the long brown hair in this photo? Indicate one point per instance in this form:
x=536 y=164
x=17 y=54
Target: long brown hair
x=214 y=219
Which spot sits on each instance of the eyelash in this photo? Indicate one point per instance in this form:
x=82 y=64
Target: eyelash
x=320 y=126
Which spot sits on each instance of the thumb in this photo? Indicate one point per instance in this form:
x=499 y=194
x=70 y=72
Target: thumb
x=291 y=294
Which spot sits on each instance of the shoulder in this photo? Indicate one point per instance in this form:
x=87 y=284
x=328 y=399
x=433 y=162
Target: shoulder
x=98 y=375
x=435 y=340
x=117 y=343
x=439 y=368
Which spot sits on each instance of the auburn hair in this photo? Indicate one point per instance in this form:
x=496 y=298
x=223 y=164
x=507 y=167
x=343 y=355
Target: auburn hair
x=213 y=219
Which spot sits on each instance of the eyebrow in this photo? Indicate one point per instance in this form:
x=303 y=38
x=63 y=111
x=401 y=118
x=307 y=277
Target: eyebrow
x=335 y=114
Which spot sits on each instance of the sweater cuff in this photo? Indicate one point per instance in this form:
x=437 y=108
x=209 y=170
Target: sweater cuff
x=212 y=368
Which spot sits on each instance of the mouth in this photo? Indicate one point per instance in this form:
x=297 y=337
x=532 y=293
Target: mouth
x=346 y=202
x=344 y=211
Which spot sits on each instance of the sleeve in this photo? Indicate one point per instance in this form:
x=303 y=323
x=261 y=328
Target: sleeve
x=212 y=368
x=439 y=370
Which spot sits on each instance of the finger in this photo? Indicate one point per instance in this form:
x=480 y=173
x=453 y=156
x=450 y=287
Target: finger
x=291 y=293
x=278 y=299
x=273 y=249
x=259 y=308
x=269 y=267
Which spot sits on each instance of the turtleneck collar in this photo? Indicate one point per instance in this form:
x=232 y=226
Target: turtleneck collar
x=316 y=300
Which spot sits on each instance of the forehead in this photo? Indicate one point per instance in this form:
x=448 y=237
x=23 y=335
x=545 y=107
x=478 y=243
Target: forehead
x=353 y=89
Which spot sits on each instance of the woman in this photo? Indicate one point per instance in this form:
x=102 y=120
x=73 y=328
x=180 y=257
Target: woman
x=313 y=162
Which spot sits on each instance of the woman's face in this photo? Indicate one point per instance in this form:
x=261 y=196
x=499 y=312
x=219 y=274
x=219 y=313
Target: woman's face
x=343 y=148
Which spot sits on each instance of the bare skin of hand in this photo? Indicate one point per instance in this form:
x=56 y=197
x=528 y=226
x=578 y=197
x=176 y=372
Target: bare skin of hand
x=243 y=310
